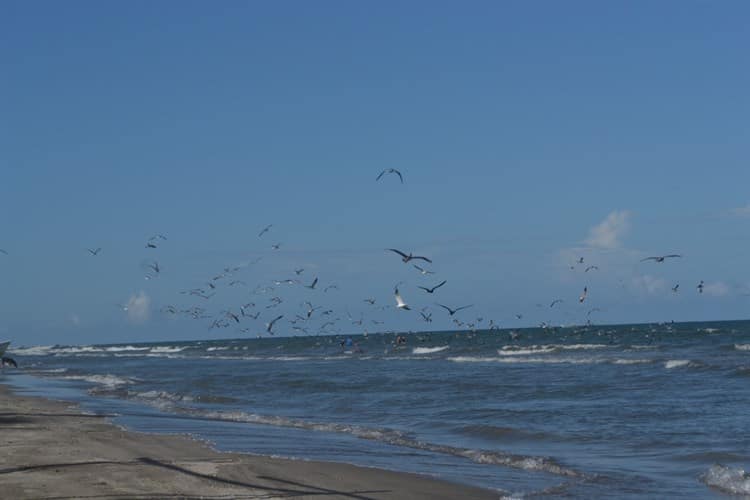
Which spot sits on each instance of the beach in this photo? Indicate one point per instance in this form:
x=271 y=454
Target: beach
x=51 y=449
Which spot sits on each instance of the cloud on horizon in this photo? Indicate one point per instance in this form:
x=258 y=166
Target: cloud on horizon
x=139 y=307
x=609 y=233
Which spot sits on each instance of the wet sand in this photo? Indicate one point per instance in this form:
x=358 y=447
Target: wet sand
x=51 y=450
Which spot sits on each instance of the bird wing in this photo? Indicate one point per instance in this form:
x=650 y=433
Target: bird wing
x=672 y=255
x=447 y=308
x=463 y=307
x=649 y=258
x=402 y=254
x=422 y=258
x=439 y=285
x=380 y=175
x=425 y=289
x=399 y=175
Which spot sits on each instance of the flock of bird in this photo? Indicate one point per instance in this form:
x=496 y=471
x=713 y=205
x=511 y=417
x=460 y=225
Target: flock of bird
x=303 y=320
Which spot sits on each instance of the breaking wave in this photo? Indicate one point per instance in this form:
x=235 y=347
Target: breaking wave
x=728 y=480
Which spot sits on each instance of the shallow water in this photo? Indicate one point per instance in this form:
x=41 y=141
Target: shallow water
x=622 y=411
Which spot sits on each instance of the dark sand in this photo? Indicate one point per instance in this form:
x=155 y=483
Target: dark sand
x=50 y=450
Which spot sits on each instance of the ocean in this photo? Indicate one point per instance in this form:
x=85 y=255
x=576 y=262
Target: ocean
x=627 y=411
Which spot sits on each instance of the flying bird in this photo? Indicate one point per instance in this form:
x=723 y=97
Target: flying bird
x=400 y=304
x=390 y=171
x=299 y=271
x=591 y=268
x=427 y=317
x=311 y=286
x=660 y=258
x=94 y=252
x=583 y=295
x=451 y=312
x=269 y=325
x=406 y=258
x=700 y=287
x=276 y=246
x=556 y=301
x=265 y=230
x=423 y=271
x=432 y=290
x=150 y=245
x=674 y=288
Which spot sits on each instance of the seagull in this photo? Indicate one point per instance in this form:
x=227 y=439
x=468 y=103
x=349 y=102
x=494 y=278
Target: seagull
x=157 y=237
x=390 y=171
x=265 y=230
x=674 y=288
x=583 y=295
x=94 y=252
x=406 y=258
x=580 y=260
x=276 y=246
x=519 y=316
x=150 y=245
x=370 y=301
x=230 y=314
x=591 y=268
x=426 y=317
x=556 y=301
x=700 y=287
x=311 y=286
x=661 y=258
x=270 y=325
x=299 y=271
x=432 y=290
x=400 y=304
x=454 y=311
x=423 y=271
x=330 y=287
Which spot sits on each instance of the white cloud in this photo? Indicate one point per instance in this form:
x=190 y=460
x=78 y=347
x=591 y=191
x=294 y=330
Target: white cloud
x=649 y=284
x=610 y=231
x=139 y=307
x=741 y=211
x=716 y=289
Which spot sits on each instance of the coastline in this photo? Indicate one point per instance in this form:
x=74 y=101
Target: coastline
x=50 y=449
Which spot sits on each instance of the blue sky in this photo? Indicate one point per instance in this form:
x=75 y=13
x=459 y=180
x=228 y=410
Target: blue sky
x=520 y=128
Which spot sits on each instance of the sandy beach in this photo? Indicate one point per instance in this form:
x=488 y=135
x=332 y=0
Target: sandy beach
x=51 y=450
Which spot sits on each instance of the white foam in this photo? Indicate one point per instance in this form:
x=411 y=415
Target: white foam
x=733 y=481
x=211 y=349
x=106 y=380
x=166 y=349
x=521 y=360
x=510 y=351
x=428 y=350
x=676 y=363
x=742 y=347
x=631 y=361
x=126 y=348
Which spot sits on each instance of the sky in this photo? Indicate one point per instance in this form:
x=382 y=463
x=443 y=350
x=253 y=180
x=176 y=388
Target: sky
x=529 y=134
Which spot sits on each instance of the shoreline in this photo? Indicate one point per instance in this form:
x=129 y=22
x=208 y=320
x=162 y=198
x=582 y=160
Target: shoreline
x=51 y=449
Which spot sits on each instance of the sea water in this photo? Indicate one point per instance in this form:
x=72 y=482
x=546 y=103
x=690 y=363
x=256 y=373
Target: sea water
x=659 y=411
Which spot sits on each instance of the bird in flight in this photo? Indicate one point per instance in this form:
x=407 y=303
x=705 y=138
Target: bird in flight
x=311 y=286
x=580 y=260
x=591 y=268
x=422 y=270
x=660 y=258
x=265 y=230
x=400 y=304
x=432 y=290
x=451 y=312
x=269 y=325
x=150 y=245
x=299 y=271
x=426 y=316
x=700 y=287
x=390 y=171
x=583 y=295
x=276 y=246
x=406 y=258
x=94 y=252
x=556 y=301
x=370 y=301
x=674 y=288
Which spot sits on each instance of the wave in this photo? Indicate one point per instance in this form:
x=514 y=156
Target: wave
x=167 y=349
x=676 y=363
x=126 y=348
x=105 y=380
x=742 y=347
x=510 y=351
x=398 y=438
x=728 y=480
x=429 y=350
